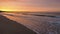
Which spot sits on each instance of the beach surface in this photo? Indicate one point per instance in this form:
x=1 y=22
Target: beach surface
x=8 y=26
x=37 y=22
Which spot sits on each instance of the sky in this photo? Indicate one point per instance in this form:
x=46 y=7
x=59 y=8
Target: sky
x=30 y=5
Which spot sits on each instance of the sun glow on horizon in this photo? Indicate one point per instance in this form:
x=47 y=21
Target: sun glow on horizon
x=30 y=5
x=5 y=10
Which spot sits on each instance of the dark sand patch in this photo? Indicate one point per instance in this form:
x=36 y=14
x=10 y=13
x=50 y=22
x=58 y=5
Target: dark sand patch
x=8 y=26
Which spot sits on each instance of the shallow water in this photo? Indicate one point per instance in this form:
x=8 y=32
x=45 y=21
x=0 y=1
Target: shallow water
x=41 y=23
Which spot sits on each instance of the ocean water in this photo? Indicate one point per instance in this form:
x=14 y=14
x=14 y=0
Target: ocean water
x=41 y=23
x=45 y=14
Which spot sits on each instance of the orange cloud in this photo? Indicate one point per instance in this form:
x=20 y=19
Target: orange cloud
x=29 y=5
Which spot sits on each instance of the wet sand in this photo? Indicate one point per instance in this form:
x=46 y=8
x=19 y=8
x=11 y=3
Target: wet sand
x=41 y=24
x=8 y=26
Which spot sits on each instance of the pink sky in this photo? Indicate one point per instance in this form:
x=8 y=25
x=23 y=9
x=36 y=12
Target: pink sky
x=30 y=5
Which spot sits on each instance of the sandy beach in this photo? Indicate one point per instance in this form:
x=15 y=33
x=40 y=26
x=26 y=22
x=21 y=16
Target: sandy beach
x=8 y=26
x=39 y=23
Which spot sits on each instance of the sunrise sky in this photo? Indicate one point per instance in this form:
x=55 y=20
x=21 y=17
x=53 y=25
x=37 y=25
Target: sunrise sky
x=30 y=5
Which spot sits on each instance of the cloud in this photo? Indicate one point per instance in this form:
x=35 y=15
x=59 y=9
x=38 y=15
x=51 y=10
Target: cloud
x=26 y=4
